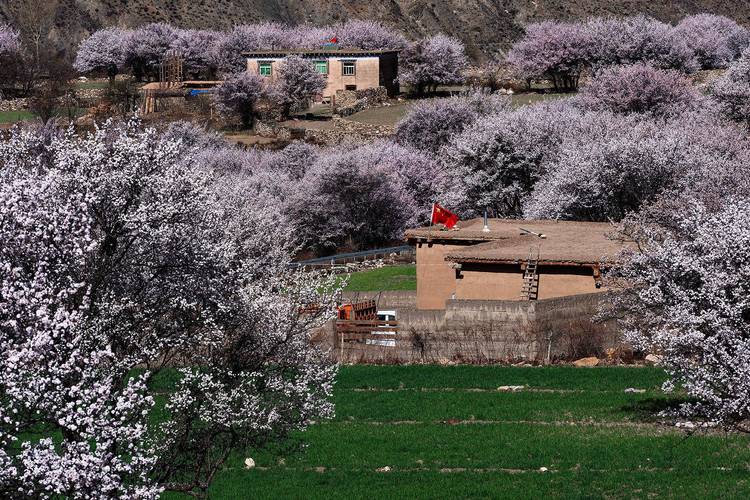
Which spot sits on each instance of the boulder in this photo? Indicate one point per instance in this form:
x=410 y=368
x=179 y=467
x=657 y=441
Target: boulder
x=584 y=362
x=249 y=463
x=653 y=359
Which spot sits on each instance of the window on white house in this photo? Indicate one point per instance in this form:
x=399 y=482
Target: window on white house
x=348 y=68
x=265 y=68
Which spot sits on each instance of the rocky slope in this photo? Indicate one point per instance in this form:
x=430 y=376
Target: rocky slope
x=485 y=26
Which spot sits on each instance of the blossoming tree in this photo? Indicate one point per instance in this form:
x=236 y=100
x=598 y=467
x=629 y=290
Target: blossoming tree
x=104 y=51
x=433 y=61
x=121 y=257
x=684 y=293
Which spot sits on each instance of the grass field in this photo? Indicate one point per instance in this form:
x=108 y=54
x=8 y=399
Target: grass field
x=386 y=278
x=15 y=116
x=447 y=432
x=391 y=115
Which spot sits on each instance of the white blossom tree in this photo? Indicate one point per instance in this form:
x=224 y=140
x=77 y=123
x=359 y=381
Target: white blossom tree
x=103 y=51
x=121 y=257
x=684 y=293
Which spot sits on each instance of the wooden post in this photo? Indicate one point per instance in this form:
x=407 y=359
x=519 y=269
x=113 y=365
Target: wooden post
x=341 y=341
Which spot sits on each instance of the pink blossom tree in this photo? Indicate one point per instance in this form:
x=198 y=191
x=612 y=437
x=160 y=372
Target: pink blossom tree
x=361 y=197
x=609 y=166
x=640 y=88
x=368 y=35
x=297 y=82
x=732 y=90
x=553 y=50
x=249 y=37
x=121 y=255
x=496 y=163
x=638 y=38
x=433 y=61
x=10 y=55
x=147 y=47
x=431 y=124
x=715 y=40
x=104 y=51
x=10 y=42
x=198 y=51
x=238 y=94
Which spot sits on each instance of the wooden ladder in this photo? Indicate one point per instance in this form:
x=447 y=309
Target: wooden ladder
x=530 y=288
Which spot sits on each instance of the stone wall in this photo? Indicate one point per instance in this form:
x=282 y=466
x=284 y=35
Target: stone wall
x=346 y=130
x=485 y=331
x=348 y=102
x=14 y=104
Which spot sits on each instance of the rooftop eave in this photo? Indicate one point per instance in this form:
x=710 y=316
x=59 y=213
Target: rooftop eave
x=318 y=52
x=541 y=262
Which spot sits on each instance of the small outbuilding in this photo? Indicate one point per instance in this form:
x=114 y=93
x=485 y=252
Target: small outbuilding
x=510 y=260
x=345 y=69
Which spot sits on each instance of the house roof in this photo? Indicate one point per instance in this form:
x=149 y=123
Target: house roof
x=322 y=51
x=564 y=242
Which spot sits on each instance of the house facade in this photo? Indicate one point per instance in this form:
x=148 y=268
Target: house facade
x=345 y=69
x=510 y=260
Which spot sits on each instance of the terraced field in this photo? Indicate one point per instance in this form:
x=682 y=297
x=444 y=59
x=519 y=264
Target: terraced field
x=463 y=431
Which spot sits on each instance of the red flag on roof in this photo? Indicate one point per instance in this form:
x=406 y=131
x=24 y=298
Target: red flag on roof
x=442 y=216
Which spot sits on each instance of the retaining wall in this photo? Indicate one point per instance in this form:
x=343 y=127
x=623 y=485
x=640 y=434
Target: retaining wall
x=483 y=331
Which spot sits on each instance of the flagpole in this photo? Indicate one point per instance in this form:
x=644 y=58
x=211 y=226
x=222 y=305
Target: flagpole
x=432 y=218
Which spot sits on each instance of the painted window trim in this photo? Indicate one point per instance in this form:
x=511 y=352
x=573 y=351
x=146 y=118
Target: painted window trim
x=269 y=64
x=353 y=66
x=322 y=61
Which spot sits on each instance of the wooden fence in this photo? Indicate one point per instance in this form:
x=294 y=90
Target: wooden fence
x=358 y=333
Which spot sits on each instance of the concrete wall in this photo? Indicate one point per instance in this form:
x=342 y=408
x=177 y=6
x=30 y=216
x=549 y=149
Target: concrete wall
x=488 y=282
x=485 y=331
x=394 y=299
x=438 y=281
x=367 y=74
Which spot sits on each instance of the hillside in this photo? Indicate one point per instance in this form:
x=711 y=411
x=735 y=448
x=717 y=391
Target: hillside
x=485 y=26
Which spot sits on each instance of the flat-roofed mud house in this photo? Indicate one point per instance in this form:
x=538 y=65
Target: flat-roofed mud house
x=345 y=69
x=511 y=261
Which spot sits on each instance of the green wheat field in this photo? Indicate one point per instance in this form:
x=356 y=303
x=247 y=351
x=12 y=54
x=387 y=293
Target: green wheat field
x=449 y=432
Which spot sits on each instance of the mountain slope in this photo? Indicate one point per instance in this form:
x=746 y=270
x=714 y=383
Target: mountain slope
x=485 y=26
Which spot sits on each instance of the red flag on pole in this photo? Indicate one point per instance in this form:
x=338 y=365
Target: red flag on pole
x=442 y=216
